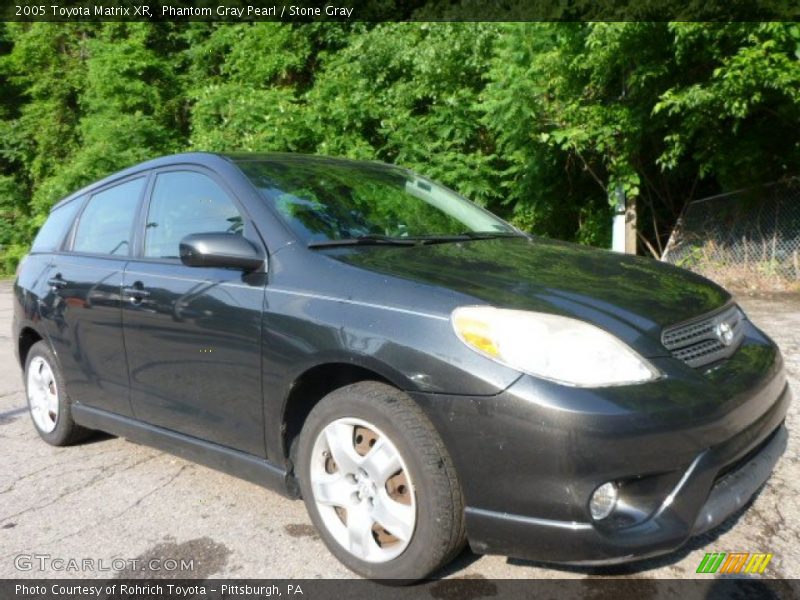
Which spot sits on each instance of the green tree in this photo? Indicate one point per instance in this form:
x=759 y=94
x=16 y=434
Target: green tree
x=539 y=121
x=667 y=112
x=245 y=88
x=409 y=93
x=130 y=106
x=43 y=68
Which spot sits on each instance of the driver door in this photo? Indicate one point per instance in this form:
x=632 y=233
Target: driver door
x=192 y=334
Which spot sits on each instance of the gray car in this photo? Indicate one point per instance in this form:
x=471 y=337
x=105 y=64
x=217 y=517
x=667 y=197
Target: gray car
x=419 y=371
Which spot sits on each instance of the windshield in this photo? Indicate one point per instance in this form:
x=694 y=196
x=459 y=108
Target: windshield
x=324 y=200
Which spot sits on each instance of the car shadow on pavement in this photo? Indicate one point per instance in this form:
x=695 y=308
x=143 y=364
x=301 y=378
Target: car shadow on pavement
x=12 y=415
x=97 y=436
x=456 y=566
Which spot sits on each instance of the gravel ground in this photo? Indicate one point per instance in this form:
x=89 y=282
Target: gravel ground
x=112 y=499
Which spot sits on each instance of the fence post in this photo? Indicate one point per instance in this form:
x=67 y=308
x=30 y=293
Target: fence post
x=618 y=227
x=746 y=246
x=630 y=225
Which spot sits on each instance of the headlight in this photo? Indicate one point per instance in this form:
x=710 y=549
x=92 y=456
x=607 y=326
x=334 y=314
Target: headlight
x=565 y=350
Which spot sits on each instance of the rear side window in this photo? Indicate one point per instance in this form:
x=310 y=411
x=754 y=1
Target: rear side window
x=52 y=233
x=186 y=202
x=106 y=223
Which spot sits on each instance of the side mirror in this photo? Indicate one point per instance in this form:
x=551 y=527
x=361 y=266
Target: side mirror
x=226 y=250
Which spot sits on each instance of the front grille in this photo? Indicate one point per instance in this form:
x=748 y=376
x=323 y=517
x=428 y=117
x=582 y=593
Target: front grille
x=702 y=341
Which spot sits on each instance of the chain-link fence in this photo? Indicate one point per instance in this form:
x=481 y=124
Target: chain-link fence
x=747 y=238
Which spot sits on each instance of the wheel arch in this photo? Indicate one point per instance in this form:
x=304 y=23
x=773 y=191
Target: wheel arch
x=317 y=381
x=27 y=337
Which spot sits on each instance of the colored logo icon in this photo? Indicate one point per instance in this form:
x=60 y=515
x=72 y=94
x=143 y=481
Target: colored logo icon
x=734 y=562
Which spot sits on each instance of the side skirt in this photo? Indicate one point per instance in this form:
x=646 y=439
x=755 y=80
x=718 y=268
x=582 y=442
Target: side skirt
x=240 y=464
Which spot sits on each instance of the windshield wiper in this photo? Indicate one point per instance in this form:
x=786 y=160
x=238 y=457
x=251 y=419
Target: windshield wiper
x=464 y=236
x=487 y=235
x=367 y=239
x=378 y=239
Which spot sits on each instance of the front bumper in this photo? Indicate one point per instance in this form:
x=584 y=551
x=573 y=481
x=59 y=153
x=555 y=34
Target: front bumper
x=584 y=544
x=688 y=451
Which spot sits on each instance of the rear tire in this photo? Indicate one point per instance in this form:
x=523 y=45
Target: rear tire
x=48 y=401
x=379 y=484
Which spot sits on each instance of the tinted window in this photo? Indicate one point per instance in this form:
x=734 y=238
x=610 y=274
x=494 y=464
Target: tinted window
x=186 y=202
x=106 y=223
x=331 y=200
x=55 y=227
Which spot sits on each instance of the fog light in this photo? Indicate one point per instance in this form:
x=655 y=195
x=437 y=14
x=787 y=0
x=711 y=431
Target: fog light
x=603 y=500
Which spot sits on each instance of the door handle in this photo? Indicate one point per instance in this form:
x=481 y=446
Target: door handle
x=136 y=294
x=56 y=282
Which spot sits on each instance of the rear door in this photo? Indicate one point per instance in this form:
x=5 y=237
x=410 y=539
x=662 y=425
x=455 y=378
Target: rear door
x=193 y=334
x=84 y=306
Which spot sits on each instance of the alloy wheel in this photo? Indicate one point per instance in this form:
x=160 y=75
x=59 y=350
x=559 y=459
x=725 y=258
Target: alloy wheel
x=363 y=490
x=42 y=394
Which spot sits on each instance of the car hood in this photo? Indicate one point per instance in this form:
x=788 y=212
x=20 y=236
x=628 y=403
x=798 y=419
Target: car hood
x=551 y=276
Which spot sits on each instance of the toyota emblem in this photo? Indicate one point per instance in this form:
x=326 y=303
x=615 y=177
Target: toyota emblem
x=724 y=333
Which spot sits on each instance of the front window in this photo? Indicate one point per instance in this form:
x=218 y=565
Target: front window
x=186 y=202
x=327 y=200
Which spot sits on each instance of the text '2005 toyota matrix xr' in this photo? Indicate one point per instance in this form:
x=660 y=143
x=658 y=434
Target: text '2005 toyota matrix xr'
x=419 y=371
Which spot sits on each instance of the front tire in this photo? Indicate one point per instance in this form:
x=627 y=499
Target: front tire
x=48 y=402
x=379 y=484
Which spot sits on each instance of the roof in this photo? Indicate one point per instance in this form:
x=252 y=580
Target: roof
x=210 y=158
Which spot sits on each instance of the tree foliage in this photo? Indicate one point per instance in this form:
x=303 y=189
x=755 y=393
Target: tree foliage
x=540 y=122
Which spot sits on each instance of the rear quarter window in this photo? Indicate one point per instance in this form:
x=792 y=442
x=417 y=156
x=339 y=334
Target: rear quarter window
x=51 y=235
